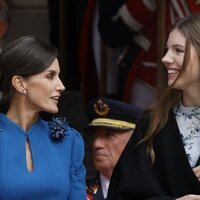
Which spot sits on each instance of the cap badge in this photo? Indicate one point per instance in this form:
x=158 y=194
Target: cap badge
x=101 y=108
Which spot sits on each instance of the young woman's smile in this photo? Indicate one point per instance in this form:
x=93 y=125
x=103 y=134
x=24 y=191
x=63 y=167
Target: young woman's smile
x=173 y=59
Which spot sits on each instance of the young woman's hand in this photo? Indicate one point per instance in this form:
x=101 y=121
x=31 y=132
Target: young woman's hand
x=190 y=197
x=196 y=171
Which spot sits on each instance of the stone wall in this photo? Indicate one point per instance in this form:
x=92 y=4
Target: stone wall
x=28 y=17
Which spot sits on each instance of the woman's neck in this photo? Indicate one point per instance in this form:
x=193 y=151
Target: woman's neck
x=191 y=99
x=20 y=115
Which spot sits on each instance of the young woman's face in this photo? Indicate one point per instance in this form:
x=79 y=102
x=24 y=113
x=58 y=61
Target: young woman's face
x=44 y=89
x=173 y=61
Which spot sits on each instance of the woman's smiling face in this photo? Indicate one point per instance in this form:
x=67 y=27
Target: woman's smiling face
x=173 y=61
x=44 y=89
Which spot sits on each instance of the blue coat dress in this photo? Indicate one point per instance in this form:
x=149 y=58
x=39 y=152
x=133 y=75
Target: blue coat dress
x=58 y=174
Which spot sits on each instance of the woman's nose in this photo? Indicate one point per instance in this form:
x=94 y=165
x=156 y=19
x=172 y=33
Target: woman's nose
x=60 y=87
x=167 y=58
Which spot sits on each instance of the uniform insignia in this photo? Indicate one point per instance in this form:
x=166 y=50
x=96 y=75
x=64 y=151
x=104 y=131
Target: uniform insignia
x=92 y=189
x=101 y=108
x=89 y=197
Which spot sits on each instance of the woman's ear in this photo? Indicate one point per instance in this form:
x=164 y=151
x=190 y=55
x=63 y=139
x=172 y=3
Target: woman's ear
x=18 y=83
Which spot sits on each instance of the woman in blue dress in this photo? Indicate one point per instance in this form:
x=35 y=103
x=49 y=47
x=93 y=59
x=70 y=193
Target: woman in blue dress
x=39 y=160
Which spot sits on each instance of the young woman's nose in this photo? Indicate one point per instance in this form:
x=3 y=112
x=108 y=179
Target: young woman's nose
x=167 y=58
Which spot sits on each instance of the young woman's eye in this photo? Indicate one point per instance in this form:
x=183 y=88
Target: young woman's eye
x=178 y=50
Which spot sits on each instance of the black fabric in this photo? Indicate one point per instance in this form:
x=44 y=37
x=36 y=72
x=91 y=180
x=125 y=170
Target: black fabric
x=124 y=66
x=170 y=177
x=198 y=162
x=116 y=34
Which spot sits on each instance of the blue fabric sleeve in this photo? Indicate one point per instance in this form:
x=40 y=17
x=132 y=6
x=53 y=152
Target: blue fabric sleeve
x=77 y=170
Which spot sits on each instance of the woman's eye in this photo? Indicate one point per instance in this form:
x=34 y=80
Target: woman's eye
x=179 y=50
x=50 y=76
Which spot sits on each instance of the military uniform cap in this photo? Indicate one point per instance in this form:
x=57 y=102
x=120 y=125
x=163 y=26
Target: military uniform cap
x=113 y=114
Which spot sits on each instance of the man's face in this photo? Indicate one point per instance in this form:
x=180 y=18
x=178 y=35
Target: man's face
x=107 y=147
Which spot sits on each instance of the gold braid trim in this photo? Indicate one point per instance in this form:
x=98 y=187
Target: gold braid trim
x=112 y=123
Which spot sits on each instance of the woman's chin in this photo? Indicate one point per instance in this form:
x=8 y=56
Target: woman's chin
x=52 y=110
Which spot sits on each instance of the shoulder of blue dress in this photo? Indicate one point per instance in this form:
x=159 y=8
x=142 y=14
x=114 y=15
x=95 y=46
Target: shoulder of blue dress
x=76 y=135
x=73 y=130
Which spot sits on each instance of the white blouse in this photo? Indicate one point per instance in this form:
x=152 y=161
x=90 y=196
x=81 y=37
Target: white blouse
x=188 y=120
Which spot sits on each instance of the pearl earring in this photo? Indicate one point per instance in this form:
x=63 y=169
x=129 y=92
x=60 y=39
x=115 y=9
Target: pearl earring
x=24 y=92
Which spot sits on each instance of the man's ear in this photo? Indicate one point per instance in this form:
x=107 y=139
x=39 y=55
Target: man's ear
x=18 y=83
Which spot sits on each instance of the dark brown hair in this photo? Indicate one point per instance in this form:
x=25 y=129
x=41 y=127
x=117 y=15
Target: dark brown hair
x=26 y=56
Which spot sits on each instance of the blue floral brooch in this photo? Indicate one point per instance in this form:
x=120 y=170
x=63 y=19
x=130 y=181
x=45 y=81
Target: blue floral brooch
x=58 y=127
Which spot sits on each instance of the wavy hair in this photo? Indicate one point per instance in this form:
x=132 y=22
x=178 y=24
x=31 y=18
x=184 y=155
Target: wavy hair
x=167 y=96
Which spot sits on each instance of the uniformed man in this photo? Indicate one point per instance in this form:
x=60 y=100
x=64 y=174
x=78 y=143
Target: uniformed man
x=111 y=125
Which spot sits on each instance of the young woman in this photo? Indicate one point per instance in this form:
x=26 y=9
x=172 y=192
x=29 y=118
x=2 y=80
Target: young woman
x=162 y=158
x=39 y=159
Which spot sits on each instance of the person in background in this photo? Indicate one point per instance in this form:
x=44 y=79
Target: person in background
x=111 y=125
x=39 y=159
x=162 y=160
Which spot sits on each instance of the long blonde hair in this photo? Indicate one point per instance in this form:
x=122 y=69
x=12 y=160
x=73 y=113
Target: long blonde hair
x=167 y=97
